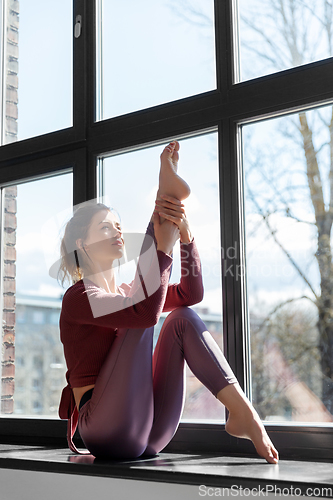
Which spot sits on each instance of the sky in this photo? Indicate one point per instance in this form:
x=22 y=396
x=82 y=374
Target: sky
x=267 y=38
x=159 y=57
x=45 y=67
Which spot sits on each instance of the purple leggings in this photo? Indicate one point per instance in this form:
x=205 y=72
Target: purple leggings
x=138 y=398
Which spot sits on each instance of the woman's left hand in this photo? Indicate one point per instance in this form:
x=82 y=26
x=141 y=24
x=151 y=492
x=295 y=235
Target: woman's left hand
x=173 y=210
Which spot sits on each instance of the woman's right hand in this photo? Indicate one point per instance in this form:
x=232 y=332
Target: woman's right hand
x=166 y=234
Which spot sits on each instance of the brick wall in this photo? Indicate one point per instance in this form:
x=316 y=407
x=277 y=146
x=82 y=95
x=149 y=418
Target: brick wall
x=8 y=300
x=8 y=284
x=11 y=71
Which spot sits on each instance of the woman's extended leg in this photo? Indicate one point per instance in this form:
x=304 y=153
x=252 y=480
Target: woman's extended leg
x=184 y=336
x=117 y=420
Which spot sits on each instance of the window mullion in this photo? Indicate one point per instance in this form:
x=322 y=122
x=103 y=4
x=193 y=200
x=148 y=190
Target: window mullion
x=80 y=71
x=99 y=62
x=223 y=46
x=84 y=91
x=90 y=75
x=232 y=249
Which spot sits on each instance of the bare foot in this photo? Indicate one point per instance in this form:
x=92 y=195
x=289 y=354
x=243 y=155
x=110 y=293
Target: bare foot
x=244 y=422
x=169 y=181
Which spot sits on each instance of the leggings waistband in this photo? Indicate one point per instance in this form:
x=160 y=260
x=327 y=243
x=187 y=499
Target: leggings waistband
x=86 y=396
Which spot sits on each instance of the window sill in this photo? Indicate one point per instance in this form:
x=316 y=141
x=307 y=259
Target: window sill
x=207 y=470
x=294 y=442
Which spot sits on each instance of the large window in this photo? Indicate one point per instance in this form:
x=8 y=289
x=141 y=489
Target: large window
x=91 y=90
x=165 y=51
x=281 y=34
x=29 y=295
x=287 y=177
x=199 y=167
x=37 y=69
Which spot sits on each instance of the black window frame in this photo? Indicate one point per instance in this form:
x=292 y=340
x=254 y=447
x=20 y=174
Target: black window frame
x=78 y=147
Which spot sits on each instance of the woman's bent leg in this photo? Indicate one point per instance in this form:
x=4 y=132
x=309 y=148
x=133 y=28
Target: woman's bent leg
x=184 y=336
x=117 y=420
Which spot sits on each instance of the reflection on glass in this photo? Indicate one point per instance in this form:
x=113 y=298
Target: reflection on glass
x=37 y=75
x=153 y=52
x=131 y=182
x=287 y=174
x=33 y=367
x=279 y=35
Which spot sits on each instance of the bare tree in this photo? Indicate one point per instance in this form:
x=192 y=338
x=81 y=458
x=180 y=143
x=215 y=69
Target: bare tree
x=279 y=34
x=290 y=44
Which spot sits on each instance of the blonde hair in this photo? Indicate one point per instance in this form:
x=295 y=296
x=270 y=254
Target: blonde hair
x=71 y=256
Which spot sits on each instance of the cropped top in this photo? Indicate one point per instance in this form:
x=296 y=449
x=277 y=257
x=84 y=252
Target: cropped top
x=90 y=316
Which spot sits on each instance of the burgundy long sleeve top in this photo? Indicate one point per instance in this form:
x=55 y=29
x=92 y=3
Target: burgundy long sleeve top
x=91 y=316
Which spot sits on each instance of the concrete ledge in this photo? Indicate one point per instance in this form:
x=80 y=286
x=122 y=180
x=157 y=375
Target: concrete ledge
x=205 y=470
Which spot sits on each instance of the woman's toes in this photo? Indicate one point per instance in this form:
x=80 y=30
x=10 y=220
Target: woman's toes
x=265 y=448
x=273 y=456
x=168 y=151
x=175 y=145
x=171 y=150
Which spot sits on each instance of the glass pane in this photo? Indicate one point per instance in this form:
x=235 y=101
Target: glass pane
x=279 y=35
x=154 y=52
x=33 y=367
x=134 y=201
x=288 y=187
x=38 y=68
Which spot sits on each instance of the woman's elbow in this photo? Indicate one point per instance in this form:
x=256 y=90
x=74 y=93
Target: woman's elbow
x=196 y=296
x=200 y=298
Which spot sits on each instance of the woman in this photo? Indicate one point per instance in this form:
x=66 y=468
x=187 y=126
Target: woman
x=126 y=401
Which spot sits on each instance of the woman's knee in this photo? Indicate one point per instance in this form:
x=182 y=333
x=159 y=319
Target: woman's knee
x=182 y=312
x=180 y=321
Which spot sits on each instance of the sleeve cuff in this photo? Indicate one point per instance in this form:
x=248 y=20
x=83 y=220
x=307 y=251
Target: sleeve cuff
x=183 y=243
x=164 y=259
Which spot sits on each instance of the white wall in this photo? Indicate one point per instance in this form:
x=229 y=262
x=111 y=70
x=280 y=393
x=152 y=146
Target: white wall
x=31 y=485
